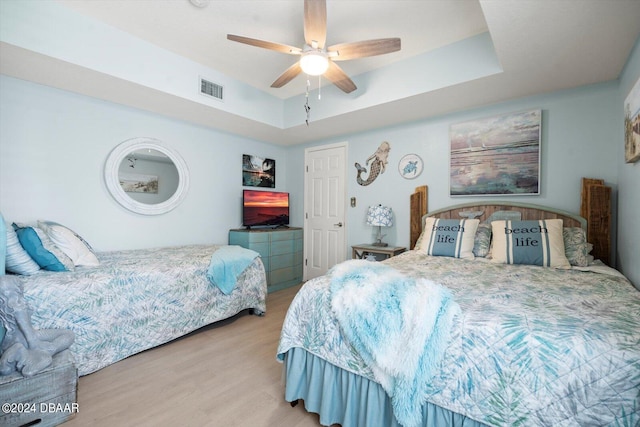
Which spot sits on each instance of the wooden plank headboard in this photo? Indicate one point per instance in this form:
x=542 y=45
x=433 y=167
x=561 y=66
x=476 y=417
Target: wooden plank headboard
x=596 y=208
x=417 y=210
x=527 y=211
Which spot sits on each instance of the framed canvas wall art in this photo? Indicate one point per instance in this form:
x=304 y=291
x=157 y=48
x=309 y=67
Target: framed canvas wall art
x=498 y=155
x=632 y=125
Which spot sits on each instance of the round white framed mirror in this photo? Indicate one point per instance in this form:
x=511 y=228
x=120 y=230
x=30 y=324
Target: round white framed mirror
x=145 y=176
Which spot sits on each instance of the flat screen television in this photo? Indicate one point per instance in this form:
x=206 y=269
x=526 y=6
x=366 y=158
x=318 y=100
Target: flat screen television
x=265 y=208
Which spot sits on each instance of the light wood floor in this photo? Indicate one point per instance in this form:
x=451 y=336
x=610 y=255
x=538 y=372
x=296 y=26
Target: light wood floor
x=222 y=375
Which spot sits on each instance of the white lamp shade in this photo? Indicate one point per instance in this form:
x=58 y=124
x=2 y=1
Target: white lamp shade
x=380 y=216
x=314 y=63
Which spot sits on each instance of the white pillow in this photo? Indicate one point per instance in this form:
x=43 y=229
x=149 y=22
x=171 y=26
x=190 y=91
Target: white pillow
x=448 y=237
x=529 y=242
x=69 y=242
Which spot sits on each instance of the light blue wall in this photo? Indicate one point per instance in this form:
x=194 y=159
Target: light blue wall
x=578 y=140
x=628 y=249
x=53 y=146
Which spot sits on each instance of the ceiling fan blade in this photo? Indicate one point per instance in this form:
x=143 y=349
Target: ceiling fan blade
x=288 y=75
x=363 y=49
x=339 y=78
x=315 y=22
x=279 y=47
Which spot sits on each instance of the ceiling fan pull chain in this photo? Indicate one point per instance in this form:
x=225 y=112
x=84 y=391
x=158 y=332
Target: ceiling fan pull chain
x=307 y=109
x=319 y=86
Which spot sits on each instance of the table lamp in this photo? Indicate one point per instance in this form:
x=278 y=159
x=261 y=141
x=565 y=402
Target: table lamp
x=380 y=216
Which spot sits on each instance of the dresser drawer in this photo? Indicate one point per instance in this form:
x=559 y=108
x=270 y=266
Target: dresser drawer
x=286 y=260
x=286 y=275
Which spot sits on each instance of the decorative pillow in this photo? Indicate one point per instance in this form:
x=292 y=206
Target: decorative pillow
x=70 y=242
x=18 y=260
x=482 y=241
x=420 y=237
x=42 y=250
x=449 y=237
x=529 y=242
x=576 y=247
x=3 y=249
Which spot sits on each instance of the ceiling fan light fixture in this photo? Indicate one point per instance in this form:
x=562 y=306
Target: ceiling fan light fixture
x=314 y=63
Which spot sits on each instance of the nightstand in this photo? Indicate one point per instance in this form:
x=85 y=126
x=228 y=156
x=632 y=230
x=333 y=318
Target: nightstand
x=361 y=251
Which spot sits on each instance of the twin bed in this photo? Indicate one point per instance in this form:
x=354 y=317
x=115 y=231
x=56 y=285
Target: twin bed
x=120 y=303
x=508 y=344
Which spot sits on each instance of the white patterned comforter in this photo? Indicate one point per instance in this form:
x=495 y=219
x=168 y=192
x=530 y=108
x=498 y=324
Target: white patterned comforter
x=136 y=300
x=533 y=346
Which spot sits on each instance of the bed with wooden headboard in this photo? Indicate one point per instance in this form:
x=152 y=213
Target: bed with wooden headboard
x=595 y=206
x=505 y=343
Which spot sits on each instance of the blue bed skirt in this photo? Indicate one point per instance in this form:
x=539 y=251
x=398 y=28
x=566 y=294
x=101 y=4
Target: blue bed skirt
x=344 y=398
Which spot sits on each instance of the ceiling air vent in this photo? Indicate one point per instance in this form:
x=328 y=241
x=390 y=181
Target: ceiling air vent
x=211 y=89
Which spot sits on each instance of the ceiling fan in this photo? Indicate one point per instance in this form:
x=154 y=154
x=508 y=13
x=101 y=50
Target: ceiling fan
x=315 y=58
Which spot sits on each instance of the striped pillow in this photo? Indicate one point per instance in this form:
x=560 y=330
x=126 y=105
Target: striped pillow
x=529 y=242
x=3 y=249
x=449 y=237
x=18 y=260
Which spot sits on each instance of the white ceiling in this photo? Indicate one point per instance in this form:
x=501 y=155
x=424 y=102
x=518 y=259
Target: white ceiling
x=542 y=46
x=200 y=34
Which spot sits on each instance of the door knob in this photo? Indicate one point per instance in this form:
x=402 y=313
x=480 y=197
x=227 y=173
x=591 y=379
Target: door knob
x=338 y=224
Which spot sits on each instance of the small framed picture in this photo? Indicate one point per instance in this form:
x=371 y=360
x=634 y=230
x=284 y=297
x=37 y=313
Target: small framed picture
x=258 y=171
x=138 y=183
x=410 y=166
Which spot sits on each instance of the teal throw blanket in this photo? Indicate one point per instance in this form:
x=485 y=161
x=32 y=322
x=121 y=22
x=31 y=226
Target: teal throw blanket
x=400 y=326
x=227 y=263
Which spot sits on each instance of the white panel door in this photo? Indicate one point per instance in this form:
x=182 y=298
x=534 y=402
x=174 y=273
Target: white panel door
x=325 y=228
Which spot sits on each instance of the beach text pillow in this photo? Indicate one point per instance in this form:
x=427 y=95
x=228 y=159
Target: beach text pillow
x=529 y=242
x=449 y=237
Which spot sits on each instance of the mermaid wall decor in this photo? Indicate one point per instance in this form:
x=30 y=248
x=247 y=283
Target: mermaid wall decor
x=378 y=161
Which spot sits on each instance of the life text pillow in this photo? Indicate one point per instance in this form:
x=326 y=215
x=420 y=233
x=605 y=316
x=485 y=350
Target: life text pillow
x=449 y=237
x=529 y=242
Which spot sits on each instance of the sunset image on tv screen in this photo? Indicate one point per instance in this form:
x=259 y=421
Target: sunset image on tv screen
x=265 y=208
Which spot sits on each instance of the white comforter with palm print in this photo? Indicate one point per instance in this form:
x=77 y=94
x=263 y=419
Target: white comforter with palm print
x=533 y=346
x=137 y=299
